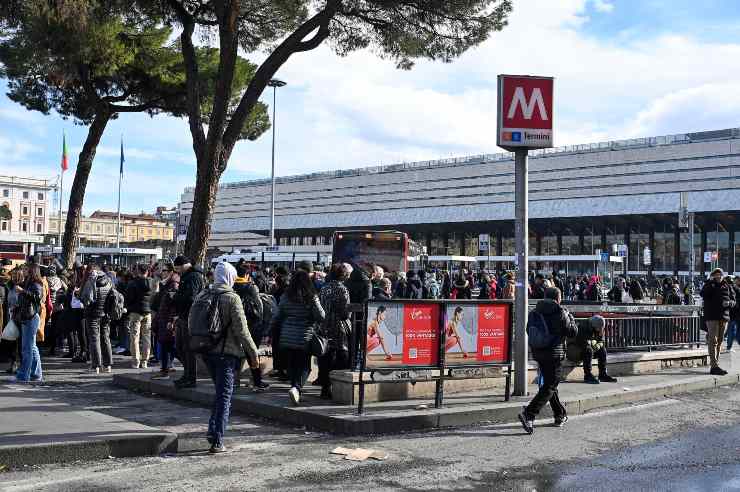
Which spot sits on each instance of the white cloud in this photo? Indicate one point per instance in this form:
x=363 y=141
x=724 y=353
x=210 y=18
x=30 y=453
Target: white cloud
x=603 y=6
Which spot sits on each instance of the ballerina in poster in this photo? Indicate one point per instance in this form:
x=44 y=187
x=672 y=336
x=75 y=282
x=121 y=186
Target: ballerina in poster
x=453 y=334
x=374 y=336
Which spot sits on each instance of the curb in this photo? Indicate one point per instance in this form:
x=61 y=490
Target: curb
x=379 y=422
x=152 y=444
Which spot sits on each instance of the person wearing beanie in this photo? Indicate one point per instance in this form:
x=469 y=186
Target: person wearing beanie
x=594 y=347
x=719 y=299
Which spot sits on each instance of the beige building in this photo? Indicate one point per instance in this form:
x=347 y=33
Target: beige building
x=99 y=229
x=27 y=200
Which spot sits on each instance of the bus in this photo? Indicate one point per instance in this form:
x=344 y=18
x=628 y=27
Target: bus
x=391 y=250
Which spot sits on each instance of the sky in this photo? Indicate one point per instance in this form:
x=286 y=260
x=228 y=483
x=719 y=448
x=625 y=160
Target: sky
x=623 y=69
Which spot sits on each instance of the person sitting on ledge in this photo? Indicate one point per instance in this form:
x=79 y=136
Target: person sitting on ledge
x=593 y=338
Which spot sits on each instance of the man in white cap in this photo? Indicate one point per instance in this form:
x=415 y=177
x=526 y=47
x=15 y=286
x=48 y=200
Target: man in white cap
x=719 y=298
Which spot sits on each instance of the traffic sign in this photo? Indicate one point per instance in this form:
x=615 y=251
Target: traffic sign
x=707 y=257
x=605 y=257
x=525 y=112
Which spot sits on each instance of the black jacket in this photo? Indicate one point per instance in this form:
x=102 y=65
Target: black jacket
x=616 y=294
x=139 y=294
x=735 y=311
x=191 y=283
x=538 y=291
x=560 y=322
x=414 y=289
x=719 y=298
x=359 y=286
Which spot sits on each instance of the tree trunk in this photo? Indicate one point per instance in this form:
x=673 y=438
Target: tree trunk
x=77 y=193
x=204 y=199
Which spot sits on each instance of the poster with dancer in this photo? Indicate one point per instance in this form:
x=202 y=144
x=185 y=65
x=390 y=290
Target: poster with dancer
x=384 y=334
x=461 y=333
x=402 y=334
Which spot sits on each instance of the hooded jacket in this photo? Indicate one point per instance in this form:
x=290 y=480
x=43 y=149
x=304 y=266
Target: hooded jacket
x=165 y=315
x=560 y=322
x=359 y=285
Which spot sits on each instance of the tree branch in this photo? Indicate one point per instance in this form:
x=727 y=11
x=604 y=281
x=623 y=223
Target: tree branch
x=292 y=44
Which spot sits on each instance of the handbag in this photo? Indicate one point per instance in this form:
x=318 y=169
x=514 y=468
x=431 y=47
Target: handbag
x=11 y=331
x=316 y=344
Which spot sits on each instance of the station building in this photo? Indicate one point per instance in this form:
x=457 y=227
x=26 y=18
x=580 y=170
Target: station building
x=583 y=200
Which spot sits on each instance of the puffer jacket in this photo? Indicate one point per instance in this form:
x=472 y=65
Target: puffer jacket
x=100 y=285
x=237 y=341
x=719 y=298
x=296 y=320
x=359 y=286
x=561 y=323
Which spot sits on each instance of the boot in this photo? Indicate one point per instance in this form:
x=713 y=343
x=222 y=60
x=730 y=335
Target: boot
x=605 y=378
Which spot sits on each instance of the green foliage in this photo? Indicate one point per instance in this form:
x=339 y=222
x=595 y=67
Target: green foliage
x=5 y=213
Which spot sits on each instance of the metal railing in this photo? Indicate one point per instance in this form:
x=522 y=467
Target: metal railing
x=649 y=332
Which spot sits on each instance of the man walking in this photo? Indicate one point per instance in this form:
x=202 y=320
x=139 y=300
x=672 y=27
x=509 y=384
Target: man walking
x=719 y=298
x=139 y=306
x=559 y=326
x=191 y=283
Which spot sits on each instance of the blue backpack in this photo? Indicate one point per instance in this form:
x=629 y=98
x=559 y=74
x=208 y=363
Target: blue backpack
x=540 y=336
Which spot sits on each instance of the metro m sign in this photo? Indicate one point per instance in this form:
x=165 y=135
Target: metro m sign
x=525 y=112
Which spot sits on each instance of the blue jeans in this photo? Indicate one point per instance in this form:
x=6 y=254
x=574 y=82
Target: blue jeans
x=733 y=333
x=30 y=358
x=166 y=354
x=223 y=369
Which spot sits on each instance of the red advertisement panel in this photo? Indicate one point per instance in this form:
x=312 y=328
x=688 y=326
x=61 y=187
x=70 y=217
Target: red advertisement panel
x=420 y=334
x=493 y=333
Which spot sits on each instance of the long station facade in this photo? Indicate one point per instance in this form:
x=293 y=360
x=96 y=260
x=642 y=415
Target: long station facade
x=584 y=200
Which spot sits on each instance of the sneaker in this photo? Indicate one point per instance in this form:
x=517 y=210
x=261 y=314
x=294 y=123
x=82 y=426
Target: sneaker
x=119 y=350
x=607 y=379
x=717 y=371
x=109 y=369
x=561 y=421
x=171 y=369
x=316 y=382
x=217 y=449
x=590 y=379
x=94 y=370
x=144 y=365
x=261 y=387
x=126 y=353
x=161 y=375
x=295 y=396
x=527 y=422
x=134 y=365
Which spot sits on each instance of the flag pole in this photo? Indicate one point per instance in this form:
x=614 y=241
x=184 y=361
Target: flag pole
x=61 y=197
x=120 y=179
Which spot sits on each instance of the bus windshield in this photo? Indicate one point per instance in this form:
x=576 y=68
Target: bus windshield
x=387 y=249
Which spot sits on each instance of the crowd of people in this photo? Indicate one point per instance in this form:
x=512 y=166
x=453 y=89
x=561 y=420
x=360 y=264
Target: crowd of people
x=228 y=316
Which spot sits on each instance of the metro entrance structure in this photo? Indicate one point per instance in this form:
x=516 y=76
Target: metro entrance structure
x=584 y=199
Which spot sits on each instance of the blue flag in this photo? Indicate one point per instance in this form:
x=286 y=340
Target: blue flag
x=122 y=159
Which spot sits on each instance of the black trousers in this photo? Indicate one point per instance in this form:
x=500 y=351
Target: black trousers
x=76 y=331
x=552 y=372
x=299 y=366
x=588 y=356
x=333 y=360
x=182 y=341
x=278 y=357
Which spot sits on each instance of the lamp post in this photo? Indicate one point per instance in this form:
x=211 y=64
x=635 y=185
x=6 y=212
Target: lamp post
x=274 y=83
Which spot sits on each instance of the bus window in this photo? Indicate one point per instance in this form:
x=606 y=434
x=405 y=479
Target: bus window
x=387 y=249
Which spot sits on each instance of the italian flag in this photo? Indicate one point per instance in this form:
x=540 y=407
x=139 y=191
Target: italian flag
x=65 y=161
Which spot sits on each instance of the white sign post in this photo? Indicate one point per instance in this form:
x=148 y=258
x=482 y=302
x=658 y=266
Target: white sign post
x=525 y=121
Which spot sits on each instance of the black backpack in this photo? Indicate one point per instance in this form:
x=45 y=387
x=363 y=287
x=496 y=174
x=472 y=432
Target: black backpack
x=269 y=306
x=29 y=305
x=540 y=335
x=204 y=323
x=114 y=305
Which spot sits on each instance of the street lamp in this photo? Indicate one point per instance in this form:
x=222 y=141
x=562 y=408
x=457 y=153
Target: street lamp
x=274 y=83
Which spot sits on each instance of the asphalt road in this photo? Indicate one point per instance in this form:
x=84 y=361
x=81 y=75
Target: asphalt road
x=687 y=443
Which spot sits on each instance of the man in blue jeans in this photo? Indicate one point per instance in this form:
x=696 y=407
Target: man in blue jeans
x=225 y=357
